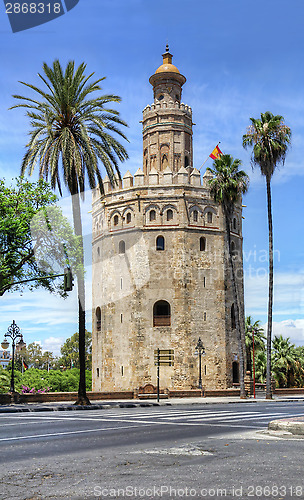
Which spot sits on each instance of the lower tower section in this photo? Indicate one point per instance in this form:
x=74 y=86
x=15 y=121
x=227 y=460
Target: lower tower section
x=161 y=280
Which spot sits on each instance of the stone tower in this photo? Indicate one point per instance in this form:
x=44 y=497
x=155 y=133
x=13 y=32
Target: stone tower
x=160 y=275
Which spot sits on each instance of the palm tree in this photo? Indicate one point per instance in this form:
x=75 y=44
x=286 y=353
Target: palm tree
x=260 y=367
x=269 y=137
x=284 y=360
x=227 y=186
x=299 y=369
x=70 y=135
x=253 y=329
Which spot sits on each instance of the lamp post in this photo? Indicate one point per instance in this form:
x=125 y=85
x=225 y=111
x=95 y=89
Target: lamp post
x=14 y=333
x=199 y=351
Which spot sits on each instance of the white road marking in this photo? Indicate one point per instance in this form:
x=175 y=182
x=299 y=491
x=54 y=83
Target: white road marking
x=66 y=433
x=142 y=424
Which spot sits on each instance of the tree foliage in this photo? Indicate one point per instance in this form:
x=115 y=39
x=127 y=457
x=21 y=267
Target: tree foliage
x=53 y=380
x=33 y=235
x=253 y=331
x=4 y=380
x=70 y=351
x=71 y=134
x=284 y=361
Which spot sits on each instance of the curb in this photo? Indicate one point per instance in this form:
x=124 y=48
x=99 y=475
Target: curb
x=35 y=409
x=293 y=426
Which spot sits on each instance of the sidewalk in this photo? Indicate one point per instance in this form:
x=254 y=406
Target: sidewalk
x=134 y=403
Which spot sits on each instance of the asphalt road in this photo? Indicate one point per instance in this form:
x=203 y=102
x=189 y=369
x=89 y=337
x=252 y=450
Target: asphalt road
x=214 y=451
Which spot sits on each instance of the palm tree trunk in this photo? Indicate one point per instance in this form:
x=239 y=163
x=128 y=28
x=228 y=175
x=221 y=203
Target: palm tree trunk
x=82 y=396
x=270 y=292
x=239 y=324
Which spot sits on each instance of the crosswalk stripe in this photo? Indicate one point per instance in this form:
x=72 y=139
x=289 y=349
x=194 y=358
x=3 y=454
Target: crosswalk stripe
x=215 y=415
x=174 y=414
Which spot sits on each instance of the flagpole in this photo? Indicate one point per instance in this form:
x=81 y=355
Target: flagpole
x=208 y=157
x=22 y=365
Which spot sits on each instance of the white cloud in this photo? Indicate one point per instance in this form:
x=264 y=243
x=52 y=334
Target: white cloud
x=294 y=329
x=53 y=344
x=288 y=293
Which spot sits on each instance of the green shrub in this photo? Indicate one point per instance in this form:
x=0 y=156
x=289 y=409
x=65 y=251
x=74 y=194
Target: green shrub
x=55 y=380
x=4 y=381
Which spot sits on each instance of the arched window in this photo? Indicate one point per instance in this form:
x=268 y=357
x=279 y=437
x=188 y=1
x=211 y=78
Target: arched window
x=160 y=243
x=98 y=319
x=195 y=215
x=161 y=313
x=202 y=244
x=122 y=247
x=115 y=220
x=235 y=372
x=209 y=217
x=233 y=324
x=129 y=217
x=186 y=161
x=152 y=215
x=169 y=214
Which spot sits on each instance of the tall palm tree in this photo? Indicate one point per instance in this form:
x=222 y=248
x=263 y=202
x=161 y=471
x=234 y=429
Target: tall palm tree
x=70 y=136
x=259 y=338
x=269 y=137
x=227 y=186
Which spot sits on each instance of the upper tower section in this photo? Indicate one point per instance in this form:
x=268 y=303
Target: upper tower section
x=167 y=81
x=167 y=123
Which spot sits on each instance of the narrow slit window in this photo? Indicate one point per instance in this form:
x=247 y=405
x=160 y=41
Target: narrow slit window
x=233 y=323
x=98 y=319
x=202 y=244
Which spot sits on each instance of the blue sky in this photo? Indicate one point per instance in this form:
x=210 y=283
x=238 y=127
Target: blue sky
x=240 y=59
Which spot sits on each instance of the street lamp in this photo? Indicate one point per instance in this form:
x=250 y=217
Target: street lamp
x=199 y=350
x=14 y=333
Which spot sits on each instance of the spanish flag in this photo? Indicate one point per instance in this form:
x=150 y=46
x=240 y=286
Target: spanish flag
x=216 y=153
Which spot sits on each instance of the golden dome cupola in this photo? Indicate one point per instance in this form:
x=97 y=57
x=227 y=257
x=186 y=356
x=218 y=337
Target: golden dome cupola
x=167 y=81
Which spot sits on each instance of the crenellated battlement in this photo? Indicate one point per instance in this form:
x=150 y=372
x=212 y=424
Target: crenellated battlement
x=184 y=177
x=151 y=108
